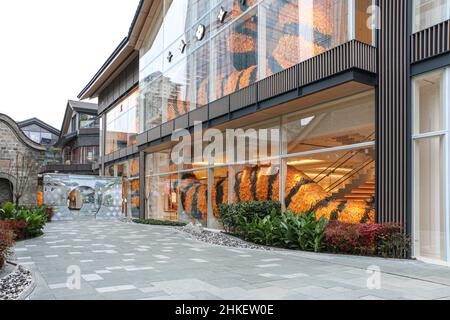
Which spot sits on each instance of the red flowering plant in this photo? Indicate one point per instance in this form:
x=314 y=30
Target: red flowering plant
x=351 y=238
x=18 y=227
x=366 y=239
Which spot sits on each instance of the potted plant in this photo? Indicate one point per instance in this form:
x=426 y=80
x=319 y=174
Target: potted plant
x=50 y=212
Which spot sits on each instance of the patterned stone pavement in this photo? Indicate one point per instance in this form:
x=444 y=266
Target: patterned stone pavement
x=117 y=260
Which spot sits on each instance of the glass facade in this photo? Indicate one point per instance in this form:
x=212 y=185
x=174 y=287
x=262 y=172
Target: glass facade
x=80 y=155
x=430 y=151
x=40 y=136
x=201 y=50
x=318 y=159
x=122 y=124
x=427 y=13
x=89 y=121
x=128 y=172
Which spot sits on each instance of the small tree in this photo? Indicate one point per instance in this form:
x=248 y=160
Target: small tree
x=56 y=154
x=20 y=170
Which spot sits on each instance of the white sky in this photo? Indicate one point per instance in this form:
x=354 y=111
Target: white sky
x=50 y=49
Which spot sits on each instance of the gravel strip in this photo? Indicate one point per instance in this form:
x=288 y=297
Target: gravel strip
x=220 y=238
x=13 y=285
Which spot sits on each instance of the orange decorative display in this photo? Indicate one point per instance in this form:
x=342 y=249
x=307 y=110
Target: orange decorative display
x=40 y=198
x=261 y=183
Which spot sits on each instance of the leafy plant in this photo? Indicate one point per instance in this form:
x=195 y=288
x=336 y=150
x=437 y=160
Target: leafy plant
x=35 y=218
x=8 y=211
x=306 y=229
x=25 y=222
x=231 y=215
x=288 y=230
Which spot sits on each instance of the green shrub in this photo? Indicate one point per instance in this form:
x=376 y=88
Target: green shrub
x=8 y=211
x=159 y=222
x=230 y=215
x=304 y=231
x=35 y=218
x=264 y=231
x=263 y=223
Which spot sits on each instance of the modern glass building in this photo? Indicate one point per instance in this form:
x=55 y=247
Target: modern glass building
x=346 y=103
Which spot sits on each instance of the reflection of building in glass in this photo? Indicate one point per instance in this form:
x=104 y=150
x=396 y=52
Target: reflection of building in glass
x=78 y=196
x=336 y=90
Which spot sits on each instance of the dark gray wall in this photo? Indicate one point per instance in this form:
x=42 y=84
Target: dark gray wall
x=393 y=150
x=121 y=85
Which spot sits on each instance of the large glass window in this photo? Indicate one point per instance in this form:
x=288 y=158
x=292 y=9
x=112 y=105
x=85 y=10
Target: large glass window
x=427 y=13
x=430 y=136
x=339 y=185
x=176 y=102
x=162 y=197
x=40 y=135
x=235 y=55
x=430 y=200
x=316 y=160
x=129 y=172
x=88 y=121
x=193 y=193
x=122 y=124
x=329 y=125
x=199 y=51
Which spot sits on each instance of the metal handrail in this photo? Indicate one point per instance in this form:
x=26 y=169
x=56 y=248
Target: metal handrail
x=349 y=175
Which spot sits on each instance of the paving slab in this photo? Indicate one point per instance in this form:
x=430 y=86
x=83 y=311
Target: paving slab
x=117 y=260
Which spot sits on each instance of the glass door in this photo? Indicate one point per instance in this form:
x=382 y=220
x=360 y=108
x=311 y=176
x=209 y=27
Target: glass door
x=430 y=153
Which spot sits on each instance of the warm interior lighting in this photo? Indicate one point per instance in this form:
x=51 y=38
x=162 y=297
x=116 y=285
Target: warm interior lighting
x=303 y=162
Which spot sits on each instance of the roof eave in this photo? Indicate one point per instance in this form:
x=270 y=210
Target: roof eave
x=121 y=54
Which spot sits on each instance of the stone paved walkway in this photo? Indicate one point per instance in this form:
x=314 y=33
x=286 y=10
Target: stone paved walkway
x=129 y=261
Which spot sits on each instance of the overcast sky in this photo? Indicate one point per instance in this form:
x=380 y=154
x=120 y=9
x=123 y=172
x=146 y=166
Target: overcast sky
x=50 y=49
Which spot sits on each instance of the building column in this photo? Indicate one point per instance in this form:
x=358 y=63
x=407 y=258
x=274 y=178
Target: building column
x=142 y=185
x=393 y=115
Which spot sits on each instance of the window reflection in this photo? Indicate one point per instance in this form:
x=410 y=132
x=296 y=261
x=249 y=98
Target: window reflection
x=326 y=127
x=427 y=13
x=243 y=41
x=123 y=124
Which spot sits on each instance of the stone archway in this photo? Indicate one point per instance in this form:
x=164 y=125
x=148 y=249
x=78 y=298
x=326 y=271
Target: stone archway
x=6 y=194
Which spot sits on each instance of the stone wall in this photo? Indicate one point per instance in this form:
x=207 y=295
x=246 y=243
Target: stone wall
x=12 y=142
x=5 y=191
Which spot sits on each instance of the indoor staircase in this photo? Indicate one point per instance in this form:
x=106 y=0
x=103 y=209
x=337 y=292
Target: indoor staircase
x=362 y=187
